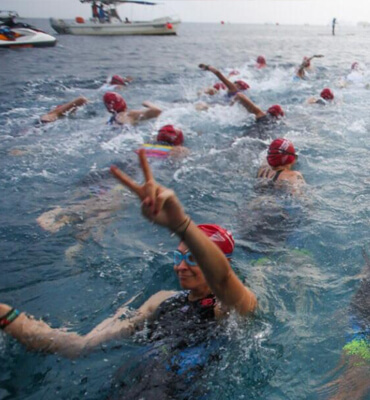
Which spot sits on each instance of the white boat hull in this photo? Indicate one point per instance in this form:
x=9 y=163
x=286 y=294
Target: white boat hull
x=160 y=26
x=29 y=38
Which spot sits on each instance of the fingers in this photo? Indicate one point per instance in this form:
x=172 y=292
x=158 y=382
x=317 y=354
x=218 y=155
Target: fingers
x=145 y=166
x=125 y=180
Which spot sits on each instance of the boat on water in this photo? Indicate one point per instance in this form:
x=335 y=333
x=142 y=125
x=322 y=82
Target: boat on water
x=106 y=21
x=18 y=34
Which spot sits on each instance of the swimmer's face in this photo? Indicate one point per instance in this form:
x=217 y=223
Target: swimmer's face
x=190 y=277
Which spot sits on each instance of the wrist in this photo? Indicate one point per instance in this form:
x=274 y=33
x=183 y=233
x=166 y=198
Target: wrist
x=180 y=230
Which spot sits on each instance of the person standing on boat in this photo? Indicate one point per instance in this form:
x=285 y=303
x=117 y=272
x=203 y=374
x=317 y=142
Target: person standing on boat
x=101 y=13
x=94 y=9
x=117 y=106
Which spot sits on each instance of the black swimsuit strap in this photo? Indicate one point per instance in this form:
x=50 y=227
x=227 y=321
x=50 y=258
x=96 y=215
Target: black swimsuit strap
x=276 y=176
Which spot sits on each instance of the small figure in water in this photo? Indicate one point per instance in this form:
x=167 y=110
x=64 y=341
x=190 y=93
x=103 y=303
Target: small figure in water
x=116 y=82
x=306 y=64
x=177 y=324
x=261 y=62
x=232 y=87
x=333 y=26
x=354 y=382
x=64 y=109
x=281 y=156
x=326 y=96
x=116 y=105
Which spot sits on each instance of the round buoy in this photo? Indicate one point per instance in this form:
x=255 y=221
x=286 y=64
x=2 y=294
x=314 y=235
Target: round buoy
x=80 y=20
x=169 y=25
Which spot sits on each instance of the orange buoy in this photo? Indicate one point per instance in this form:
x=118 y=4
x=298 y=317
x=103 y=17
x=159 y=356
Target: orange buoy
x=169 y=25
x=80 y=20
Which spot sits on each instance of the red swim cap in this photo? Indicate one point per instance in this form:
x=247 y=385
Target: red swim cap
x=170 y=135
x=117 y=80
x=243 y=85
x=114 y=102
x=220 y=236
x=276 y=111
x=261 y=60
x=219 y=86
x=327 y=94
x=308 y=62
x=281 y=152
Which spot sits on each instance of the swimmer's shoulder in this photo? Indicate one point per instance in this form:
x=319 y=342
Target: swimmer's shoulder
x=152 y=304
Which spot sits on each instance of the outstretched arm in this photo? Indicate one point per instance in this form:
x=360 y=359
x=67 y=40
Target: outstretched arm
x=249 y=105
x=36 y=335
x=230 y=85
x=61 y=110
x=160 y=205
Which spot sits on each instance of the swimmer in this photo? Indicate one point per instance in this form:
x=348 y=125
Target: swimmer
x=116 y=105
x=116 y=82
x=354 y=382
x=326 y=97
x=211 y=289
x=281 y=156
x=306 y=64
x=64 y=109
x=261 y=62
x=232 y=87
x=272 y=114
x=169 y=143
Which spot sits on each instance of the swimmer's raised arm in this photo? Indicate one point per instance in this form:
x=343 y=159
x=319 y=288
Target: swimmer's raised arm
x=232 y=88
x=160 y=205
x=249 y=105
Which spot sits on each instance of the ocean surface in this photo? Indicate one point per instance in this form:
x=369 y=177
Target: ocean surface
x=301 y=257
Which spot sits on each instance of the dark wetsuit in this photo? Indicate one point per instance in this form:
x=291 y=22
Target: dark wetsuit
x=262 y=128
x=182 y=341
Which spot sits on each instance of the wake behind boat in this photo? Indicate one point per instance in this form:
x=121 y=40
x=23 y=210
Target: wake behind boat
x=106 y=21
x=18 y=34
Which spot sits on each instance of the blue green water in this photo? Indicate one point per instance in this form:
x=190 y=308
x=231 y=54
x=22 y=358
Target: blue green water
x=308 y=273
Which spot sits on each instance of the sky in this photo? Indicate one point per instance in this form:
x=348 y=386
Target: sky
x=313 y=12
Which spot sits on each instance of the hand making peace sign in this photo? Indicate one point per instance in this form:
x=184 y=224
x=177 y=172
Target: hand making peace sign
x=158 y=203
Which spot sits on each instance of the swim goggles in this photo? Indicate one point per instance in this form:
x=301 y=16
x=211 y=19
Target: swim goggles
x=280 y=151
x=187 y=257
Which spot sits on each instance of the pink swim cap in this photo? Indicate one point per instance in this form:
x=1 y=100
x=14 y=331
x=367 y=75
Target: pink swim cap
x=308 y=62
x=219 y=236
x=276 y=111
x=243 y=85
x=169 y=134
x=355 y=65
x=219 y=86
x=117 y=80
x=281 y=152
x=327 y=94
x=114 y=102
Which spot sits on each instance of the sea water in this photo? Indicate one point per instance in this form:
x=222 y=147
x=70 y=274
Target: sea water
x=304 y=275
